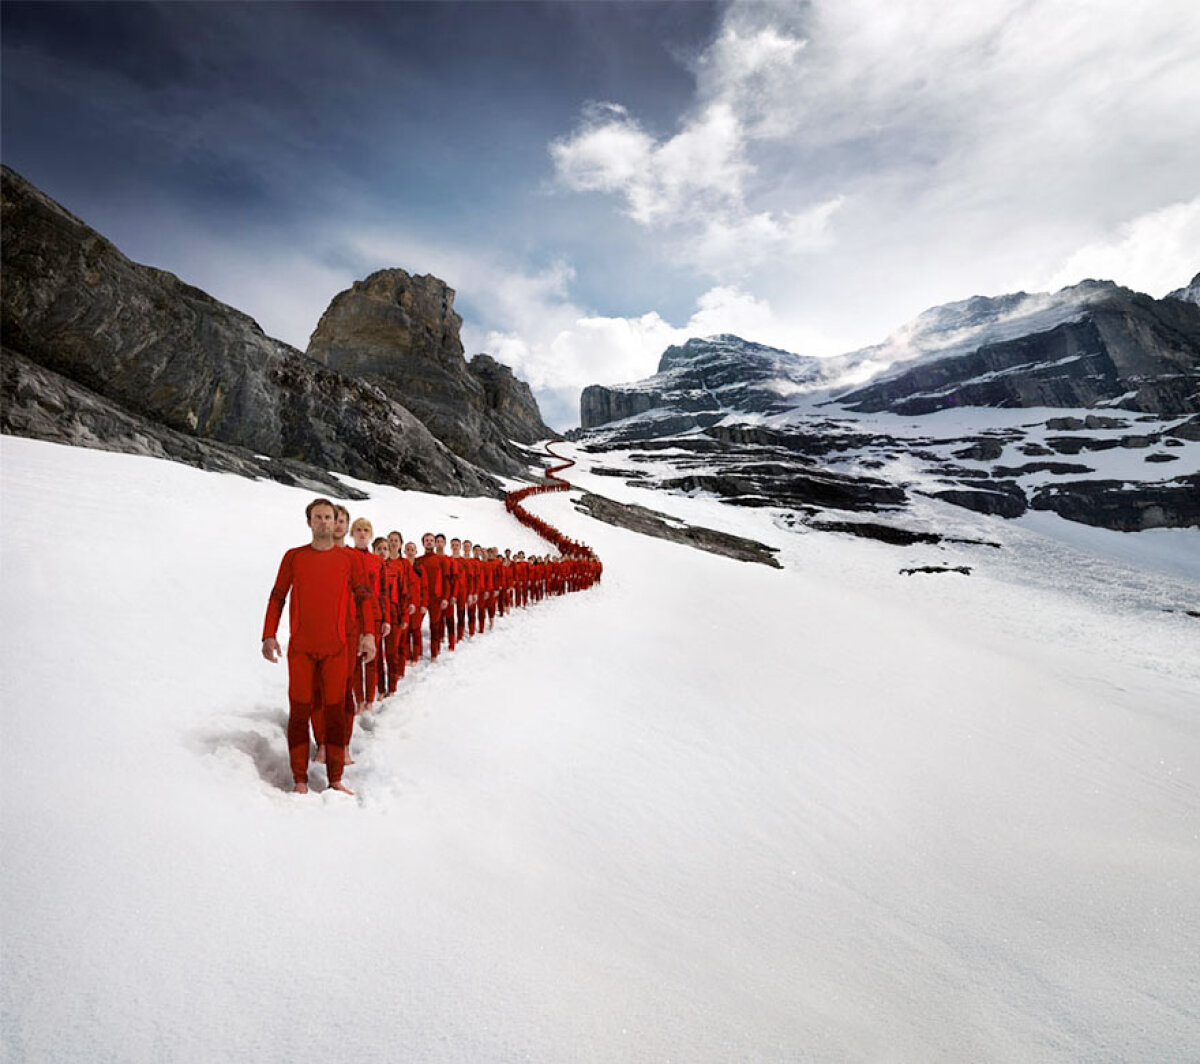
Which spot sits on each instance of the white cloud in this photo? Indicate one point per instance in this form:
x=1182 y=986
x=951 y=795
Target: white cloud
x=875 y=157
x=1154 y=253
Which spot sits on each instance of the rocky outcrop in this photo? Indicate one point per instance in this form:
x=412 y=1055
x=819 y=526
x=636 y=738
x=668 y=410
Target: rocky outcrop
x=1122 y=349
x=700 y=381
x=1123 y=507
x=162 y=354
x=44 y=405
x=401 y=333
x=661 y=526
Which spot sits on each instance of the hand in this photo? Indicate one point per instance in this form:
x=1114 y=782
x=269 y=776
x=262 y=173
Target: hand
x=386 y=630
x=270 y=649
x=445 y=603
x=366 y=647
x=412 y=607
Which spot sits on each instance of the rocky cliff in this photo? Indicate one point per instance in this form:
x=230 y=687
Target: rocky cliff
x=1093 y=345
x=699 y=382
x=401 y=333
x=122 y=355
x=759 y=427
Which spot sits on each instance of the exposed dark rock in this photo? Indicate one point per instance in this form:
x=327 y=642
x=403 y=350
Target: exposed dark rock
x=1076 y=444
x=628 y=474
x=985 y=450
x=1125 y=508
x=893 y=534
x=1158 y=456
x=964 y=569
x=1137 y=442
x=713 y=376
x=1123 y=348
x=1000 y=498
x=166 y=352
x=1091 y=422
x=1057 y=468
x=792 y=487
x=401 y=333
x=44 y=405
x=652 y=523
x=1035 y=450
x=1187 y=430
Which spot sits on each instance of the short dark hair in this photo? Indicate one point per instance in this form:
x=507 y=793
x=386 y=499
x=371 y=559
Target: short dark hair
x=314 y=504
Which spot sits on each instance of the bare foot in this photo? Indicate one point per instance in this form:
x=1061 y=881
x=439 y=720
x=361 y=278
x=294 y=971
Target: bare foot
x=300 y=787
x=349 y=760
x=340 y=786
x=319 y=756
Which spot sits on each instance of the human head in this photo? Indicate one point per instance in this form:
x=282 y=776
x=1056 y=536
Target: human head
x=342 y=524
x=314 y=504
x=410 y=550
x=361 y=532
x=427 y=541
x=321 y=517
x=395 y=544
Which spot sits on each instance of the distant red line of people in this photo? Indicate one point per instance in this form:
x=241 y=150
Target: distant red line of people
x=356 y=613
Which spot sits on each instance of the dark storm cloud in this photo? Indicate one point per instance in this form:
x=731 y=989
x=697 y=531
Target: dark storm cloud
x=260 y=105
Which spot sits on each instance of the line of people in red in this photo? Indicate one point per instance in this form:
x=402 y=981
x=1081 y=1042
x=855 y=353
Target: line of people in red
x=357 y=614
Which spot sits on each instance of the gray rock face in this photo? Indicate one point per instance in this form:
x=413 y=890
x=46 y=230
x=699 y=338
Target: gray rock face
x=163 y=353
x=1189 y=293
x=44 y=405
x=652 y=523
x=700 y=381
x=401 y=333
x=1118 y=505
x=1122 y=349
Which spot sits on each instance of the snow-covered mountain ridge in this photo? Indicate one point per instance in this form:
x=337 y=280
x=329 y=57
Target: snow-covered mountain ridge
x=1076 y=401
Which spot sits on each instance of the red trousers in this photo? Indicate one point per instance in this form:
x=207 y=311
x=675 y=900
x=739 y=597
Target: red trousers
x=395 y=651
x=437 y=629
x=308 y=674
x=414 y=635
x=367 y=674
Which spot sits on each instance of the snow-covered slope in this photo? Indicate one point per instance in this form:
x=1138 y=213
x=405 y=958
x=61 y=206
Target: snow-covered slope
x=707 y=812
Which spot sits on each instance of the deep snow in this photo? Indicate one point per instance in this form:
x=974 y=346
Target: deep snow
x=707 y=812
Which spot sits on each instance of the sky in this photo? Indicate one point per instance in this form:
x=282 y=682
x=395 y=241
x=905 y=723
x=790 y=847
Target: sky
x=599 y=180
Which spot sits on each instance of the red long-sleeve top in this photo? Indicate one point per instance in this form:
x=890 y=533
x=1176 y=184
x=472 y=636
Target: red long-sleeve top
x=328 y=590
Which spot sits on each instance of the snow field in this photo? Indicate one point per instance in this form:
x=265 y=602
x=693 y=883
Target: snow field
x=705 y=812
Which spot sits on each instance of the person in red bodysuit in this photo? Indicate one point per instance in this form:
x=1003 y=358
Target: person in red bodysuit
x=389 y=609
x=472 y=578
x=396 y=647
x=366 y=674
x=450 y=587
x=430 y=567
x=462 y=589
x=420 y=602
x=483 y=587
x=322 y=584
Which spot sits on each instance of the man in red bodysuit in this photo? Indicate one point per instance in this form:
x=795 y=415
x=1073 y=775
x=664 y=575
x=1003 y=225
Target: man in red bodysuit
x=420 y=602
x=323 y=586
x=431 y=567
x=462 y=589
x=450 y=587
